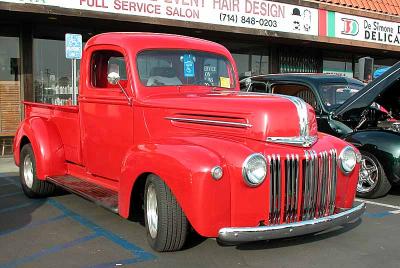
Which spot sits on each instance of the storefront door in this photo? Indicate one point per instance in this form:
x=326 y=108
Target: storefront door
x=10 y=97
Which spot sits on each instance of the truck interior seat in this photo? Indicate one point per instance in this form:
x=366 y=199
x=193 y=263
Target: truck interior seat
x=163 y=76
x=300 y=91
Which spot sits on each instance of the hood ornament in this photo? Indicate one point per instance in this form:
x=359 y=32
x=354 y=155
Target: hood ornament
x=304 y=140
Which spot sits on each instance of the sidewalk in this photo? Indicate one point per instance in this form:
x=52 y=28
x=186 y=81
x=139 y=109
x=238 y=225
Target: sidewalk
x=7 y=165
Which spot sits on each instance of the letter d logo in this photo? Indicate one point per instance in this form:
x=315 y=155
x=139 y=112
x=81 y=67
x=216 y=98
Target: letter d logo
x=350 y=27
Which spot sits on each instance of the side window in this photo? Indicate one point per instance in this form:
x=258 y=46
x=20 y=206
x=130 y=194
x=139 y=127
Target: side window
x=104 y=62
x=258 y=87
x=300 y=91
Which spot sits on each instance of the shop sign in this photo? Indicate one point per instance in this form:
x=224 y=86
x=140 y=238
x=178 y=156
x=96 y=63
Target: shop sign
x=254 y=14
x=334 y=24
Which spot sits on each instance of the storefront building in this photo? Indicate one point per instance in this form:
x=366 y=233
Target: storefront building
x=263 y=36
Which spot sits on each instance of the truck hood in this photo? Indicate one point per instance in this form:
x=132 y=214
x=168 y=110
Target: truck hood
x=263 y=117
x=366 y=96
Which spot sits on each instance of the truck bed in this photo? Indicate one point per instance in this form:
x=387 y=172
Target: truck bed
x=66 y=120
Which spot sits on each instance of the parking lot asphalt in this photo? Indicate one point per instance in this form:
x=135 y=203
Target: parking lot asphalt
x=68 y=231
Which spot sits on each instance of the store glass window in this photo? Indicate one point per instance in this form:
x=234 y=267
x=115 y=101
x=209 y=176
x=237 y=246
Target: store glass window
x=10 y=97
x=52 y=72
x=259 y=64
x=298 y=59
x=338 y=67
x=249 y=64
x=242 y=64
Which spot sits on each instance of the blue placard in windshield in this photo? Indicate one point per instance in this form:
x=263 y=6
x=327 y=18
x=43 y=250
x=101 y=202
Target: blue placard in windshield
x=188 y=65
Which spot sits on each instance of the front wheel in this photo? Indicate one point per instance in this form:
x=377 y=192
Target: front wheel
x=166 y=223
x=372 y=182
x=31 y=185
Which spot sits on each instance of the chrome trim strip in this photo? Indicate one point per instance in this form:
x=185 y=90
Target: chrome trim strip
x=306 y=186
x=249 y=234
x=306 y=141
x=271 y=185
x=315 y=182
x=292 y=188
x=209 y=122
x=297 y=187
x=288 y=188
x=275 y=189
x=334 y=179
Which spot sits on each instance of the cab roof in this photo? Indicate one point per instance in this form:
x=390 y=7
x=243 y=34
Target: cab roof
x=310 y=78
x=141 y=41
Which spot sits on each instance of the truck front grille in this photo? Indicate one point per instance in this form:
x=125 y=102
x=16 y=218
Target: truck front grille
x=302 y=187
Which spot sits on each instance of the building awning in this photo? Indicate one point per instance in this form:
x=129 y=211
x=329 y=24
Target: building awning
x=390 y=7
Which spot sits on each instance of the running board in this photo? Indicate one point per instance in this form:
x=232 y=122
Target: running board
x=99 y=195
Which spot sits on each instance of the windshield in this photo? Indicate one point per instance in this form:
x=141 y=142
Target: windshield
x=333 y=95
x=180 y=67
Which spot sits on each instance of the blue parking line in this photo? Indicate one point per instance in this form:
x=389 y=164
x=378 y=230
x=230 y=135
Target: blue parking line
x=135 y=250
x=48 y=251
x=33 y=224
x=139 y=254
x=377 y=215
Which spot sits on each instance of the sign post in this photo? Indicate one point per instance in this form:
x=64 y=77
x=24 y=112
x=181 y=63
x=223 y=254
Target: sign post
x=73 y=51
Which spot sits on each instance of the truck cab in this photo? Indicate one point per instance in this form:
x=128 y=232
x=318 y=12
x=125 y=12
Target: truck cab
x=161 y=128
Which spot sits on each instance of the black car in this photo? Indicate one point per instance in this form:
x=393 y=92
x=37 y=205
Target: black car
x=364 y=115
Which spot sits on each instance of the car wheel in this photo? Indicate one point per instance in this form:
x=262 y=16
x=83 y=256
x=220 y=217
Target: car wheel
x=372 y=182
x=31 y=185
x=166 y=223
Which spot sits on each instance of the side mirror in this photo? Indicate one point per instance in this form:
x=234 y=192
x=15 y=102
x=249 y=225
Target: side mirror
x=113 y=78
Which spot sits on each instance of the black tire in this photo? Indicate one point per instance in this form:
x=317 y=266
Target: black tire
x=36 y=188
x=382 y=186
x=172 y=224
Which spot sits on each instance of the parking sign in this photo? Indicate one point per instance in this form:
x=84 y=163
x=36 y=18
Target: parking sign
x=73 y=46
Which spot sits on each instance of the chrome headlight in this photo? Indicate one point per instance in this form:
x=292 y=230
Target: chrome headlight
x=347 y=159
x=254 y=169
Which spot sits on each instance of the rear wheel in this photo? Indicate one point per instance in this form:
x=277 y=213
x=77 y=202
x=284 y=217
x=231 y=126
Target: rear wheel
x=372 y=182
x=166 y=224
x=31 y=185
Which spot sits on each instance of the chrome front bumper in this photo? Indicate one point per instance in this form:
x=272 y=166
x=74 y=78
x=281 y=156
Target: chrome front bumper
x=249 y=234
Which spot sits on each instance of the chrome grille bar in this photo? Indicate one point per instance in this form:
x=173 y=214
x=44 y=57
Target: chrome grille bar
x=275 y=189
x=319 y=184
x=306 y=185
x=318 y=188
x=292 y=186
x=333 y=176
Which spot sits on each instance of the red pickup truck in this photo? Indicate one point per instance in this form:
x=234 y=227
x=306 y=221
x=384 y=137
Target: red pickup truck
x=162 y=129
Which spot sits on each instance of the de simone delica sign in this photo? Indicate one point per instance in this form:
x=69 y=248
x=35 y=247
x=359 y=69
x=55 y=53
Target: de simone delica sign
x=334 y=24
x=270 y=16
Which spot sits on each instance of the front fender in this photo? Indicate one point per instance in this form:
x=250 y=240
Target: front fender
x=383 y=144
x=46 y=144
x=185 y=168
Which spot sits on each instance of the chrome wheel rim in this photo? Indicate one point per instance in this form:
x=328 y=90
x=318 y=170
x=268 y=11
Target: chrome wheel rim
x=368 y=175
x=151 y=211
x=28 y=171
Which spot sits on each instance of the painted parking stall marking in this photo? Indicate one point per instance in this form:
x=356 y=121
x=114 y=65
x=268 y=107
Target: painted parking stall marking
x=139 y=255
x=382 y=214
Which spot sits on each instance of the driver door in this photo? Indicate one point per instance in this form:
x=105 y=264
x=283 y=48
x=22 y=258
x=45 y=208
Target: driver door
x=106 y=114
